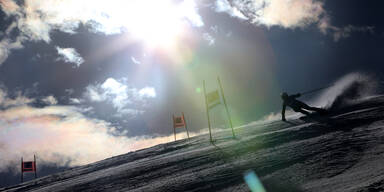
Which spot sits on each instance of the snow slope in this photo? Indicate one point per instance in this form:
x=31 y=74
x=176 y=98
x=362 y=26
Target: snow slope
x=344 y=152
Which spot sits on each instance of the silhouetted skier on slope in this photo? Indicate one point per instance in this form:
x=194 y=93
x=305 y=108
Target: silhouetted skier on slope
x=296 y=105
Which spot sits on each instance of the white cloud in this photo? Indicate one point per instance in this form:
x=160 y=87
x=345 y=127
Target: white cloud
x=188 y=8
x=9 y=6
x=125 y=99
x=135 y=61
x=55 y=134
x=74 y=101
x=94 y=94
x=6 y=45
x=147 y=92
x=61 y=135
x=345 y=32
x=117 y=92
x=19 y=100
x=70 y=55
x=4 y=51
x=224 y=6
x=284 y=13
x=208 y=37
x=49 y=100
x=287 y=14
x=341 y=32
x=69 y=91
x=3 y=96
x=37 y=18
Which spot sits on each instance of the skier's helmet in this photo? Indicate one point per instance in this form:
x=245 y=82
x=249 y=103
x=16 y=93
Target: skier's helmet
x=284 y=95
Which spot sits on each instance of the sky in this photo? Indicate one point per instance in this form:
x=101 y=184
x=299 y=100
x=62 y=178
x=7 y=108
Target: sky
x=81 y=81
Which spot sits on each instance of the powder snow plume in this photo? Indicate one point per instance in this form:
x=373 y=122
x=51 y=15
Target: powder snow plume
x=347 y=90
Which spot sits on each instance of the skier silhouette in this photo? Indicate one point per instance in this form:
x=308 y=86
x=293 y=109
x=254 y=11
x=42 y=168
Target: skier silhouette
x=296 y=105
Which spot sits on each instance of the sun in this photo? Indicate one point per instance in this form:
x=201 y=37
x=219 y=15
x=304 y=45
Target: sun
x=157 y=23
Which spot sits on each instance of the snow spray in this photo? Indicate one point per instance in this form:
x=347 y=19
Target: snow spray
x=347 y=90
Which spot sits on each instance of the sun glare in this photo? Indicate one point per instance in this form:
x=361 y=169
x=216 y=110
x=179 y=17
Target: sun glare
x=158 y=24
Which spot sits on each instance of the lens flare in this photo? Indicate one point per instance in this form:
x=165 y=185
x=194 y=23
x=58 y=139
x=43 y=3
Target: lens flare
x=160 y=25
x=253 y=182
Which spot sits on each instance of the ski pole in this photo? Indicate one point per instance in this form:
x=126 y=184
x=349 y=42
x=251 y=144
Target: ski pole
x=315 y=90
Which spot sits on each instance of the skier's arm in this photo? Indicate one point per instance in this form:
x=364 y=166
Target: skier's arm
x=296 y=95
x=283 y=113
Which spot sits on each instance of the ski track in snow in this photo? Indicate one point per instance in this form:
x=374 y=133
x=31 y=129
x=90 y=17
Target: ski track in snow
x=342 y=153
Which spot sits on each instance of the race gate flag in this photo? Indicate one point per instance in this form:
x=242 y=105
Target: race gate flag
x=179 y=121
x=28 y=166
x=213 y=99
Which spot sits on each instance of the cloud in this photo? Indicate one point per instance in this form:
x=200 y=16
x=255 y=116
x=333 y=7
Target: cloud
x=55 y=134
x=70 y=55
x=74 y=101
x=49 y=100
x=135 y=61
x=283 y=13
x=4 y=51
x=37 y=18
x=6 y=45
x=338 y=33
x=345 y=32
x=9 y=6
x=224 y=6
x=125 y=99
x=62 y=135
x=289 y=14
x=20 y=99
x=6 y=101
x=209 y=38
x=147 y=92
x=189 y=11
